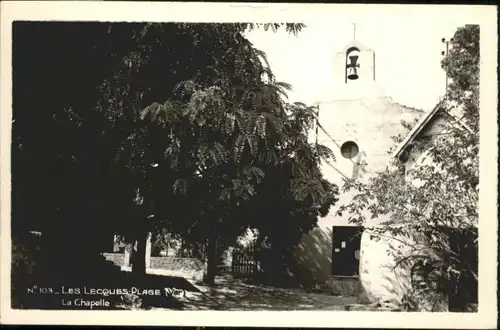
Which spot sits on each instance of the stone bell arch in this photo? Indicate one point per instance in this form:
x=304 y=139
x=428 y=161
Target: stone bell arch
x=352 y=64
x=359 y=63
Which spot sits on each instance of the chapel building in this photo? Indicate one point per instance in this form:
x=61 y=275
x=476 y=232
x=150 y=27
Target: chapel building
x=357 y=121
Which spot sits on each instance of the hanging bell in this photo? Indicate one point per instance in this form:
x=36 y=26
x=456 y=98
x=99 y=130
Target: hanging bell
x=352 y=73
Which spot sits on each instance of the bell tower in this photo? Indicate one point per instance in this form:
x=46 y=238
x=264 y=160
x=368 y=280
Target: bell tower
x=358 y=62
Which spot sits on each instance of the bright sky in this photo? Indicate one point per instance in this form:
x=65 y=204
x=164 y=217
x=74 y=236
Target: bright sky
x=407 y=57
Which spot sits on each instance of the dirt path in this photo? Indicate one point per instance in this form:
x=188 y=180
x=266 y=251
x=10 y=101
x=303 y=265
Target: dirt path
x=235 y=294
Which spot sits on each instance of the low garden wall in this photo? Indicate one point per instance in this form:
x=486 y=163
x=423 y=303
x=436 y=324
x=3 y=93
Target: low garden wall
x=173 y=264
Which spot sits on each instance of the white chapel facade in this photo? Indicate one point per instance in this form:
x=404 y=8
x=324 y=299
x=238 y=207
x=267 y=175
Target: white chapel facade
x=356 y=121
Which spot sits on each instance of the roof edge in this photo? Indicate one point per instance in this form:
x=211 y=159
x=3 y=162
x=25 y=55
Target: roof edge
x=357 y=44
x=417 y=129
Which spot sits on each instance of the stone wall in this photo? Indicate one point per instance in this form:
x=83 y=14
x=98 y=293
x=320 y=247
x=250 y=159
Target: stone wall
x=165 y=263
x=343 y=286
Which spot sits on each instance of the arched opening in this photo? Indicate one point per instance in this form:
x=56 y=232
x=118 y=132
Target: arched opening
x=352 y=64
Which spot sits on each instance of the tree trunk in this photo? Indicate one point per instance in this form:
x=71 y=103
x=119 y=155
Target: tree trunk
x=139 y=265
x=142 y=259
x=211 y=261
x=148 y=251
x=127 y=254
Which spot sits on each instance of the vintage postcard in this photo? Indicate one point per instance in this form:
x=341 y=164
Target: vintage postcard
x=230 y=164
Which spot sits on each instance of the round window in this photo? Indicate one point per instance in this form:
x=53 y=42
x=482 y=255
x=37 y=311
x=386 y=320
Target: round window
x=349 y=149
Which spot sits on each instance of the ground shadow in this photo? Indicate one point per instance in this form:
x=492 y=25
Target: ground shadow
x=58 y=284
x=238 y=294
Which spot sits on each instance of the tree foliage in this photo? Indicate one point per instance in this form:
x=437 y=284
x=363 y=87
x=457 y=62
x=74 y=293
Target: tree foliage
x=227 y=133
x=435 y=201
x=145 y=126
x=462 y=67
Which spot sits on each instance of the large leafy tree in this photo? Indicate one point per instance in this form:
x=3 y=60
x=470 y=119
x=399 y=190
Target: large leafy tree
x=436 y=202
x=163 y=126
x=59 y=148
x=224 y=133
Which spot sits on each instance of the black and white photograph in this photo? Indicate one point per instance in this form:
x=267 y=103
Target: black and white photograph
x=250 y=164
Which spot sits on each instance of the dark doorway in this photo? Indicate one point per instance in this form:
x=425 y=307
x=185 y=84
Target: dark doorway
x=346 y=241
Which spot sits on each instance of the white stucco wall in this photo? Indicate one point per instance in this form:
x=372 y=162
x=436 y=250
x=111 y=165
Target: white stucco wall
x=380 y=277
x=359 y=112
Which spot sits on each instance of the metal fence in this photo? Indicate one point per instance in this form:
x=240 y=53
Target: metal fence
x=244 y=263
